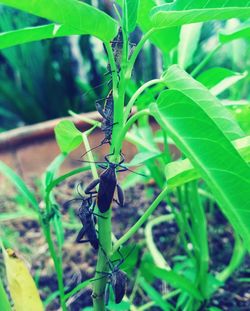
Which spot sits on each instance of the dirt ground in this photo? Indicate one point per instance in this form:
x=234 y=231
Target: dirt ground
x=79 y=259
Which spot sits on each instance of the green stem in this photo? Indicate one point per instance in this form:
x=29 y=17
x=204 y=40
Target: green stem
x=130 y=122
x=58 y=268
x=137 y=94
x=137 y=51
x=236 y=259
x=156 y=254
x=104 y=224
x=205 y=60
x=199 y=227
x=141 y=221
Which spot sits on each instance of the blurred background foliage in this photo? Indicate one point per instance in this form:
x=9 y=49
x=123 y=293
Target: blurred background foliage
x=43 y=80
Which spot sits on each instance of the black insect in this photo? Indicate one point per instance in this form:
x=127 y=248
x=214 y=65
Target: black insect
x=116 y=278
x=107 y=184
x=107 y=112
x=88 y=219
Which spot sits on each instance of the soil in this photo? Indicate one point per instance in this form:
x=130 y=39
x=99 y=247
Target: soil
x=79 y=259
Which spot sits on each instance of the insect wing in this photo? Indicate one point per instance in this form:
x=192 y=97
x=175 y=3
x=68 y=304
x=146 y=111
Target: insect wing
x=106 y=190
x=119 y=285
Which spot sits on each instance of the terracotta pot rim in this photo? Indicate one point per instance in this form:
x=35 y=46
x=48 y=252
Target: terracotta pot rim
x=28 y=133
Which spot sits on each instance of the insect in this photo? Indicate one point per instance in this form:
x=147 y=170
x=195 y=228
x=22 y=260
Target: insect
x=107 y=123
x=116 y=45
x=107 y=112
x=117 y=279
x=107 y=184
x=88 y=219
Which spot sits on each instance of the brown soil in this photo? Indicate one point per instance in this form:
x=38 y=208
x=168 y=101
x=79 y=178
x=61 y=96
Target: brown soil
x=79 y=259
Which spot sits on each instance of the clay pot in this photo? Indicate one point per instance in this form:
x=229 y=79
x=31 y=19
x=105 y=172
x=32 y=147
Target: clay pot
x=30 y=149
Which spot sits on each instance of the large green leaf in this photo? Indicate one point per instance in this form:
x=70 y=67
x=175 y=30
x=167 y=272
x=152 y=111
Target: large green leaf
x=30 y=34
x=182 y=12
x=182 y=171
x=165 y=39
x=176 y=78
x=211 y=153
x=77 y=15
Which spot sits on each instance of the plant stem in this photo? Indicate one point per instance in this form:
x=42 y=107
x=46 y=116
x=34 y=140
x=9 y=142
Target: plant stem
x=199 y=228
x=236 y=259
x=205 y=60
x=157 y=256
x=137 y=51
x=136 y=95
x=142 y=220
x=58 y=268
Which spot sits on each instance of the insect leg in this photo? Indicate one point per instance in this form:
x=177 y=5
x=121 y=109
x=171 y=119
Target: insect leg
x=106 y=295
x=91 y=186
x=120 y=195
x=100 y=110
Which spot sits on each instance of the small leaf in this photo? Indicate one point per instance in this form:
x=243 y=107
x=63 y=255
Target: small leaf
x=142 y=157
x=218 y=80
x=21 y=285
x=68 y=137
x=189 y=38
x=175 y=280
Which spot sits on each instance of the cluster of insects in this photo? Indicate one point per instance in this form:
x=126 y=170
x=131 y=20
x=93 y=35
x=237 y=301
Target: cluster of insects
x=107 y=185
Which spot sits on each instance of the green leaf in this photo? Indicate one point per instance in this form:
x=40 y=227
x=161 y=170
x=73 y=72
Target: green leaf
x=68 y=137
x=176 y=78
x=4 y=301
x=53 y=168
x=189 y=38
x=159 y=37
x=241 y=114
x=218 y=80
x=77 y=15
x=199 y=137
x=132 y=13
x=19 y=184
x=181 y=12
x=175 y=280
x=154 y=295
x=141 y=157
x=182 y=171
x=243 y=33
x=30 y=34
